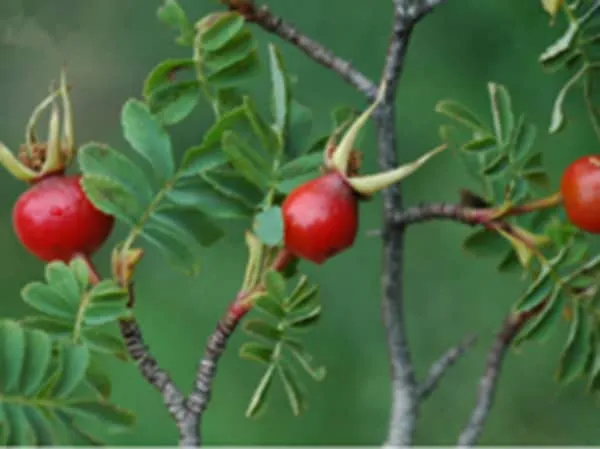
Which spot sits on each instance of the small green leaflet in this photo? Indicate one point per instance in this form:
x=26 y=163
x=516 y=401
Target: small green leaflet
x=287 y=313
x=146 y=135
x=269 y=226
x=72 y=310
x=226 y=51
x=46 y=384
x=171 y=101
x=173 y=15
x=280 y=95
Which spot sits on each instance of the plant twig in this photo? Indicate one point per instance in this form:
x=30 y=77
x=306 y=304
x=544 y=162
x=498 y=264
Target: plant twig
x=488 y=382
x=441 y=366
x=217 y=343
x=405 y=400
x=150 y=370
x=263 y=17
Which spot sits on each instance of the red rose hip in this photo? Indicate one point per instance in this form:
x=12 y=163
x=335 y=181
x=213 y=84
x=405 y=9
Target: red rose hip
x=580 y=190
x=55 y=220
x=320 y=218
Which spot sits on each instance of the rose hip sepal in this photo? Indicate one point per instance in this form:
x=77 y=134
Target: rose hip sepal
x=54 y=220
x=37 y=160
x=320 y=217
x=580 y=190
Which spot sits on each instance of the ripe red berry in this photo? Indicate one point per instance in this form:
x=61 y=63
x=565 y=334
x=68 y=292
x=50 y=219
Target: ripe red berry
x=580 y=190
x=320 y=218
x=54 y=220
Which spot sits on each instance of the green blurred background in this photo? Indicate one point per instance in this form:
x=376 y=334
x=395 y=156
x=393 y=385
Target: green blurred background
x=111 y=45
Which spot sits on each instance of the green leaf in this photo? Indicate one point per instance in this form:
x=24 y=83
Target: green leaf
x=594 y=377
x=16 y=420
x=258 y=352
x=60 y=277
x=236 y=74
x=461 y=114
x=245 y=159
x=575 y=354
x=173 y=15
x=538 y=291
x=146 y=135
x=198 y=193
x=308 y=163
x=510 y=263
x=177 y=251
x=237 y=49
x=269 y=226
x=75 y=361
x=280 y=95
x=112 y=197
x=497 y=166
x=258 y=399
x=12 y=354
x=101 y=160
x=221 y=31
x=306 y=319
x=269 y=306
x=47 y=300
x=161 y=74
x=292 y=389
x=38 y=350
x=105 y=343
x=99 y=313
x=300 y=120
x=288 y=185
x=98 y=379
x=262 y=330
x=485 y=143
x=524 y=140
x=40 y=425
x=275 y=285
x=502 y=113
x=557 y=119
x=302 y=295
x=305 y=360
x=174 y=102
x=232 y=185
x=54 y=328
x=81 y=272
x=268 y=139
x=547 y=320
x=561 y=45
x=108 y=414
x=188 y=221
x=201 y=158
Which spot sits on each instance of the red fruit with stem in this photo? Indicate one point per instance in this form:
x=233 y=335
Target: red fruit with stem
x=55 y=220
x=320 y=218
x=580 y=190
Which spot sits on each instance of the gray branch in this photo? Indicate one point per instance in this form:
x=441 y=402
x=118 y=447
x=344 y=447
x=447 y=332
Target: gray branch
x=441 y=366
x=148 y=367
x=263 y=17
x=207 y=368
x=488 y=382
x=405 y=399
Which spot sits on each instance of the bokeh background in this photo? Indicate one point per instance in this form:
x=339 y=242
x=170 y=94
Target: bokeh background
x=111 y=45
